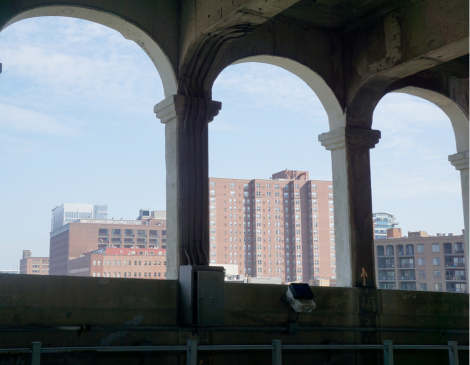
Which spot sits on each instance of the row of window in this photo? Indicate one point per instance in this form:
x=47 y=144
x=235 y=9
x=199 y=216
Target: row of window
x=450 y=287
x=389 y=275
x=104 y=232
x=268 y=186
x=409 y=249
x=129 y=275
x=127 y=263
x=410 y=263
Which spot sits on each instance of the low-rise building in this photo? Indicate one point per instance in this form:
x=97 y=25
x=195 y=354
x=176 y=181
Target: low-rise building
x=73 y=239
x=112 y=262
x=34 y=265
x=435 y=263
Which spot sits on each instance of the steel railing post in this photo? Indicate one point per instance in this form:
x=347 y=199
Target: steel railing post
x=36 y=353
x=453 y=353
x=192 y=353
x=388 y=352
x=277 y=352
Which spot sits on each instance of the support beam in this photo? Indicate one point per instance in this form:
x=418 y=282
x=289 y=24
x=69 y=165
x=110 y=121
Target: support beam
x=354 y=234
x=207 y=16
x=460 y=162
x=187 y=179
x=413 y=38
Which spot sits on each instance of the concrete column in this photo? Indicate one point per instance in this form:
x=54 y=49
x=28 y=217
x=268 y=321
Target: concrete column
x=187 y=179
x=354 y=234
x=460 y=161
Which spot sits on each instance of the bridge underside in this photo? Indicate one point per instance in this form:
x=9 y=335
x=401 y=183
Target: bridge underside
x=351 y=53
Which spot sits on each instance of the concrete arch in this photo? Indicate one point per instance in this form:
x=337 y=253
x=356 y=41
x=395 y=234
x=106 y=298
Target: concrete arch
x=127 y=29
x=459 y=120
x=336 y=116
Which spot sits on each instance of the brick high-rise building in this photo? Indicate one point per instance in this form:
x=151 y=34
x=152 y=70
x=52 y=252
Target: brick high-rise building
x=435 y=263
x=34 y=265
x=73 y=239
x=281 y=227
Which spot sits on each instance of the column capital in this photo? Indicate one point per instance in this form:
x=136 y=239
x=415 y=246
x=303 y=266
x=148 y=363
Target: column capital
x=349 y=136
x=175 y=106
x=459 y=160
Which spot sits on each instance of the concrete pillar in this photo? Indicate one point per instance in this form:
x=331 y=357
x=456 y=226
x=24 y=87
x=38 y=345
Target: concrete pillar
x=354 y=236
x=460 y=161
x=187 y=179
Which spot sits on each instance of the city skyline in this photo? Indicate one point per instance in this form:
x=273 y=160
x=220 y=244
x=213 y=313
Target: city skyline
x=58 y=151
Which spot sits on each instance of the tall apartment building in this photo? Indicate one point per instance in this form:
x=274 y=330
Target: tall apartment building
x=34 y=265
x=279 y=227
x=75 y=238
x=70 y=212
x=382 y=222
x=435 y=263
x=142 y=263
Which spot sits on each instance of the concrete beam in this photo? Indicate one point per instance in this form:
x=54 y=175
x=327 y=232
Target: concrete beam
x=418 y=36
x=209 y=16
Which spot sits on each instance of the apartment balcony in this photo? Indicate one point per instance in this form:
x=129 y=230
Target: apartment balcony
x=405 y=254
x=462 y=264
x=455 y=290
x=456 y=278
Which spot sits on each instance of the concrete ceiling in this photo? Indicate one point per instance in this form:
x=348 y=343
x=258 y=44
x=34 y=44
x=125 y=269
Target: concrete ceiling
x=340 y=14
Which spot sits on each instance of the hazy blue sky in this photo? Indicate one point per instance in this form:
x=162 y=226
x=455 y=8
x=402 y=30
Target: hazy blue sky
x=77 y=125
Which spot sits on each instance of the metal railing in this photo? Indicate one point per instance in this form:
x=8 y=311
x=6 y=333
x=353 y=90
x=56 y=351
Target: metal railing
x=276 y=349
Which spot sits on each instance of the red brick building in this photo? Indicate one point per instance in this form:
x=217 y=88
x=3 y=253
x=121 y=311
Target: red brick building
x=86 y=235
x=142 y=263
x=283 y=226
x=34 y=265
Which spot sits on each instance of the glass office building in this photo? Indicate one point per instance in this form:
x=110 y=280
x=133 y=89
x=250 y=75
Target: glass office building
x=382 y=222
x=70 y=212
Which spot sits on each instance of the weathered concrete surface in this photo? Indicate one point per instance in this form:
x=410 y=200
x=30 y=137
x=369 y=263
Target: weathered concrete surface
x=354 y=239
x=254 y=309
x=357 y=51
x=413 y=38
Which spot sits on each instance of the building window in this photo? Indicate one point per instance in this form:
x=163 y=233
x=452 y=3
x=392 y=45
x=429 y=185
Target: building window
x=458 y=246
x=423 y=286
x=422 y=274
x=436 y=261
x=438 y=287
x=212 y=192
x=421 y=262
x=103 y=232
x=437 y=274
x=435 y=247
x=420 y=248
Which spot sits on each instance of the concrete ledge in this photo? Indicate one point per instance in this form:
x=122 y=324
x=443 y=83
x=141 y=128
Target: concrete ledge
x=254 y=315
